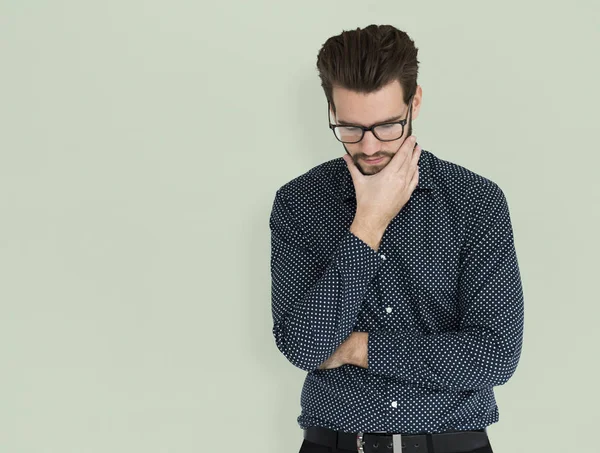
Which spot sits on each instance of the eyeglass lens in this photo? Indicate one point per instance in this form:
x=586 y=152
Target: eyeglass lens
x=382 y=132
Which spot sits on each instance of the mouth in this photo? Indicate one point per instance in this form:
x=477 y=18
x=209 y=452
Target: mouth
x=374 y=161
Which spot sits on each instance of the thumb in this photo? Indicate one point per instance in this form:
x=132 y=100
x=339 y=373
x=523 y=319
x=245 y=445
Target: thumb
x=351 y=167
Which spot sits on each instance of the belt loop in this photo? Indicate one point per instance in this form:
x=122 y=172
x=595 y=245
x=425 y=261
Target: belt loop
x=429 y=437
x=397 y=443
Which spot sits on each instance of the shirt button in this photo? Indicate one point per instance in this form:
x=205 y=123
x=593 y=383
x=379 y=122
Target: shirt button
x=394 y=403
x=383 y=257
x=388 y=309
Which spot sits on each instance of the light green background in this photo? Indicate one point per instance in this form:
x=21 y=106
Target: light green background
x=142 y=143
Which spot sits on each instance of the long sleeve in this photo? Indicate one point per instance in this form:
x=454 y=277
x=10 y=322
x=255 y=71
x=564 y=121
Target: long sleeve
x=485 y=349
x=314 y=303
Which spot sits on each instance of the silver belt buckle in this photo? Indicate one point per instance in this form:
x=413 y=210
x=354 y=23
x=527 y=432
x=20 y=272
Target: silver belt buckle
x=360 y=442
x=396 y=442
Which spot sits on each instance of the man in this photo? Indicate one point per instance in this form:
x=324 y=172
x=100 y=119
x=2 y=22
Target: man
x=395 y=282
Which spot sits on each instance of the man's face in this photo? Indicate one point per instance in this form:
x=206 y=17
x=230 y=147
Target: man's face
x=367 y=109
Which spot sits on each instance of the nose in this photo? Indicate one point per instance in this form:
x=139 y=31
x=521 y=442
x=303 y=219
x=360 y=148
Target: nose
x=369 y=144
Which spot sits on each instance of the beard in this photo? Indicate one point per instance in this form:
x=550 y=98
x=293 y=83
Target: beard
x=367 y=169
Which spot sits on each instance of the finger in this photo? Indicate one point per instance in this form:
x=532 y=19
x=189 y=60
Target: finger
x=416 y=155
x=354 y=172
x=410 y=164
x=404 y=153
x=414 y=181
x=410 y=170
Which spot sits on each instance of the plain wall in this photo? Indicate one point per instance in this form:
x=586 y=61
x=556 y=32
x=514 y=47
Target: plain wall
x=141 y=146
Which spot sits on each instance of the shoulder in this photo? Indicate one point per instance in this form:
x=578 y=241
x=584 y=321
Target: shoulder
x=313 y=185
x=460 y=182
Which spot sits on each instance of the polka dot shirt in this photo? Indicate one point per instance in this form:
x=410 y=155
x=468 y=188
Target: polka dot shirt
x=441 y=299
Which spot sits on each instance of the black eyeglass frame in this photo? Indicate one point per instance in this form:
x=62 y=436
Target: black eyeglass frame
x=371 y=128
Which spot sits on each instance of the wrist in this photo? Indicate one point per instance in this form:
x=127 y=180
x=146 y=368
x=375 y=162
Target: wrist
x=358 y=350
x=371 y=234
x=370 y=223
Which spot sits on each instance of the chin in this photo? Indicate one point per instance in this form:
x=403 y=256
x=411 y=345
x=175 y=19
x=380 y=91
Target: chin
x=374 y=168
x=371 y=170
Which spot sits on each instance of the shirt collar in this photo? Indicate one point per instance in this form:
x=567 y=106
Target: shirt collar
x=426 y=181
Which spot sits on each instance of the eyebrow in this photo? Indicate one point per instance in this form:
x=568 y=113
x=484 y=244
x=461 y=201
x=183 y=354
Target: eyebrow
x=387 y=120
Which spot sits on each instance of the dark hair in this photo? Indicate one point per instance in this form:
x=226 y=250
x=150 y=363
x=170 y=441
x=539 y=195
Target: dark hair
x=365 y=60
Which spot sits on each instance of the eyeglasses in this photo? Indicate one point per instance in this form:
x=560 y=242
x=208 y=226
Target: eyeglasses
x=386 y=132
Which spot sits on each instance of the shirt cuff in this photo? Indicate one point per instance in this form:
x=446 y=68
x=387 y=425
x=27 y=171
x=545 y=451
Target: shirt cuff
x=356 y=260
x=392 y=354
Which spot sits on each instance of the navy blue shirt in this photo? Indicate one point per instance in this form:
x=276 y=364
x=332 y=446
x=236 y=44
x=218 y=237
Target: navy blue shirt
x=441 y=299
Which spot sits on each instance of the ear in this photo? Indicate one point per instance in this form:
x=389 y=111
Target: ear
x=416 y=102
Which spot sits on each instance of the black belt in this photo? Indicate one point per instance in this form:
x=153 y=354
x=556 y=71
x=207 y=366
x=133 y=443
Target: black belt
x=447 y=442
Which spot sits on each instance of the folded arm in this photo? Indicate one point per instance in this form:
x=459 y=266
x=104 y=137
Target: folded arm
x=485 y=349
x=314 y=303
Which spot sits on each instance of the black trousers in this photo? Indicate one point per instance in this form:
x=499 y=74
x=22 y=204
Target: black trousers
x=309 y=447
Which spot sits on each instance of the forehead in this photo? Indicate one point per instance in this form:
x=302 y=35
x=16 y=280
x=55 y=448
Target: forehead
x=368 y=108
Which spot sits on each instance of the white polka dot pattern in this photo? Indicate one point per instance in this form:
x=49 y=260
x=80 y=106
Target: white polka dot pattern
x=441 y=299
